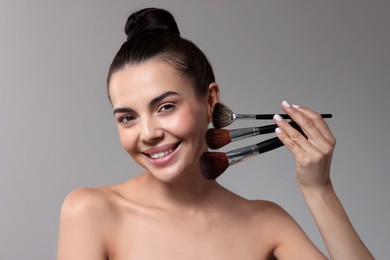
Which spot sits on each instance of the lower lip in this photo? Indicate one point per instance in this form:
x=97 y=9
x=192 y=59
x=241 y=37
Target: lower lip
x=166 y=159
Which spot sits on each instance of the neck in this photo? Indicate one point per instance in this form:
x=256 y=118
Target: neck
x=189 y=191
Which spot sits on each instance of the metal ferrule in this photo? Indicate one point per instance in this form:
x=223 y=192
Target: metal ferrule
x=237 y=134
x=243 y=116
x=242 y=154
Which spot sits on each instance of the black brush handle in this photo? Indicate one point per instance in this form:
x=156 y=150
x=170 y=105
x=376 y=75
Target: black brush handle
x=269 y=145
x=241 y=133
x=285 y=116
x=271 y=128
x=273 y=143
x=247 y=152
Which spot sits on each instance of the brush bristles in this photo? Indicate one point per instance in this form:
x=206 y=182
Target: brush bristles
x=222 y=116
x=213 y=164
x=216 y=138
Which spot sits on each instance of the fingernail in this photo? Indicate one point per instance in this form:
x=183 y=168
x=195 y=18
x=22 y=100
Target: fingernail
x=278 y=131
x=296 y=106
x=286 y=104
x=278 y=118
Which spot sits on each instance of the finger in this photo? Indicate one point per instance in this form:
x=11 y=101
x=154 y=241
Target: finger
x=300 y=150
x=319 y=122
x=288 y=142
x=310 y=125
x=292 y=136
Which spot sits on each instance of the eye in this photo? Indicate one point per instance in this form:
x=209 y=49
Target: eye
x=126 y=119
x=168 y=107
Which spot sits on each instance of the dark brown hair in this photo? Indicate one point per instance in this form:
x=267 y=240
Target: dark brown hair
x=152 y=33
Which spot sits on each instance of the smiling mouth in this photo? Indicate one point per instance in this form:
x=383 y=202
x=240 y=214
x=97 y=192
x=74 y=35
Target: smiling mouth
x=162 y=154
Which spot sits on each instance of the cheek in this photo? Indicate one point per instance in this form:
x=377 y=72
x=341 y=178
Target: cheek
x=189 y=123
x=127 y=140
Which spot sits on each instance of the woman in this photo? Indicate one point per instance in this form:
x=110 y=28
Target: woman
x=162 y=90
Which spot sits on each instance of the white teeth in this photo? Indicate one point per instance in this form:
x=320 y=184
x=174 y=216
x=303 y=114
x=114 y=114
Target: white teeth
x=161 y=154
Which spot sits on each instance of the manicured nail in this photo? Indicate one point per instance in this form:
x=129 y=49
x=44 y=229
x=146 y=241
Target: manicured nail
x=286 y=104
x=296 y=106
x=278 y=118
x=278 y=131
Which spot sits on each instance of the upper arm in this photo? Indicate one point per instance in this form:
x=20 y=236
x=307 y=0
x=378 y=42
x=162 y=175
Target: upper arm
x=82 y=229
x=291 y=240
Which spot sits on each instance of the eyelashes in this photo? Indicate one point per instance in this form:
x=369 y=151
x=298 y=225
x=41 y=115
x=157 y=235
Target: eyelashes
x=167 y=107
x=126 y=119
x=129 y=119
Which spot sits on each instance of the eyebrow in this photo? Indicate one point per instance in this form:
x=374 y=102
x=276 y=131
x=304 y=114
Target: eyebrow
x=164 y=95
x=152 y=103
x=123 y=110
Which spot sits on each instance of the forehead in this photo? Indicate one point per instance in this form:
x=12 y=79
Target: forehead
x=147 y=80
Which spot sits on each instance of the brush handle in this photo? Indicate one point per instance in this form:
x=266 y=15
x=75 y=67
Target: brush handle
x=242 y=154
x=247 y=152
x=268 y=116
x=269 y=145
x=241 y=133
x=273 y=143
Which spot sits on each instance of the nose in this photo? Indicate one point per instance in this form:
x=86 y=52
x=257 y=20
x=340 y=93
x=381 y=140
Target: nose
x=151 y=131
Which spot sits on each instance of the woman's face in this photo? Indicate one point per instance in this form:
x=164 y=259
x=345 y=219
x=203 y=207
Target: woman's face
x=161 y=122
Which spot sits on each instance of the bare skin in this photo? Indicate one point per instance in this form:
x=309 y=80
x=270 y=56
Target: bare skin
x=313 y=156
x=171 y=212
x=216 y=225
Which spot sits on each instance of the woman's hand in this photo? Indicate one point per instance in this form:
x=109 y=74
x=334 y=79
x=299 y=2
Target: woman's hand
x=313 y=153
x=313 y=156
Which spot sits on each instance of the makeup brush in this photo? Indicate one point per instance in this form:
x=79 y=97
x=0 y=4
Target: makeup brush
x=222 y=116
x=217 y=138
x=213 y=164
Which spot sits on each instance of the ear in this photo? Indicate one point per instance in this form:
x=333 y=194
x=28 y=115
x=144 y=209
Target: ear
x=213 y=98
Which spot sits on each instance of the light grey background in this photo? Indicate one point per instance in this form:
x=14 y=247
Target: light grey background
x=58 y=133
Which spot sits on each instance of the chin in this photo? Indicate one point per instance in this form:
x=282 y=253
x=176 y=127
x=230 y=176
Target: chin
x=172 y=173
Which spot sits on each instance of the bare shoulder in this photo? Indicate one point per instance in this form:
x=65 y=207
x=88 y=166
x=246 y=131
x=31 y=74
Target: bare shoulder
x=289 y=238
x=89 y=216
x=255 y=208
x=105 y=204
x=262 y=214
x=84 y=228
x=267 y=206
x=267 y=215
x=274 y=226
x=87 y=201
x=271 y=211
x=273 y=217
x=88 y=210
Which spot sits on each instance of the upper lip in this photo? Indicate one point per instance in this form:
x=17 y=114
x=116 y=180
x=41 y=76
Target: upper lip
x=161 y=148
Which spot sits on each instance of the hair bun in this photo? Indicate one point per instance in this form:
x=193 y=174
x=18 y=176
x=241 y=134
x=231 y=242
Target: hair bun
x=150 y=20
